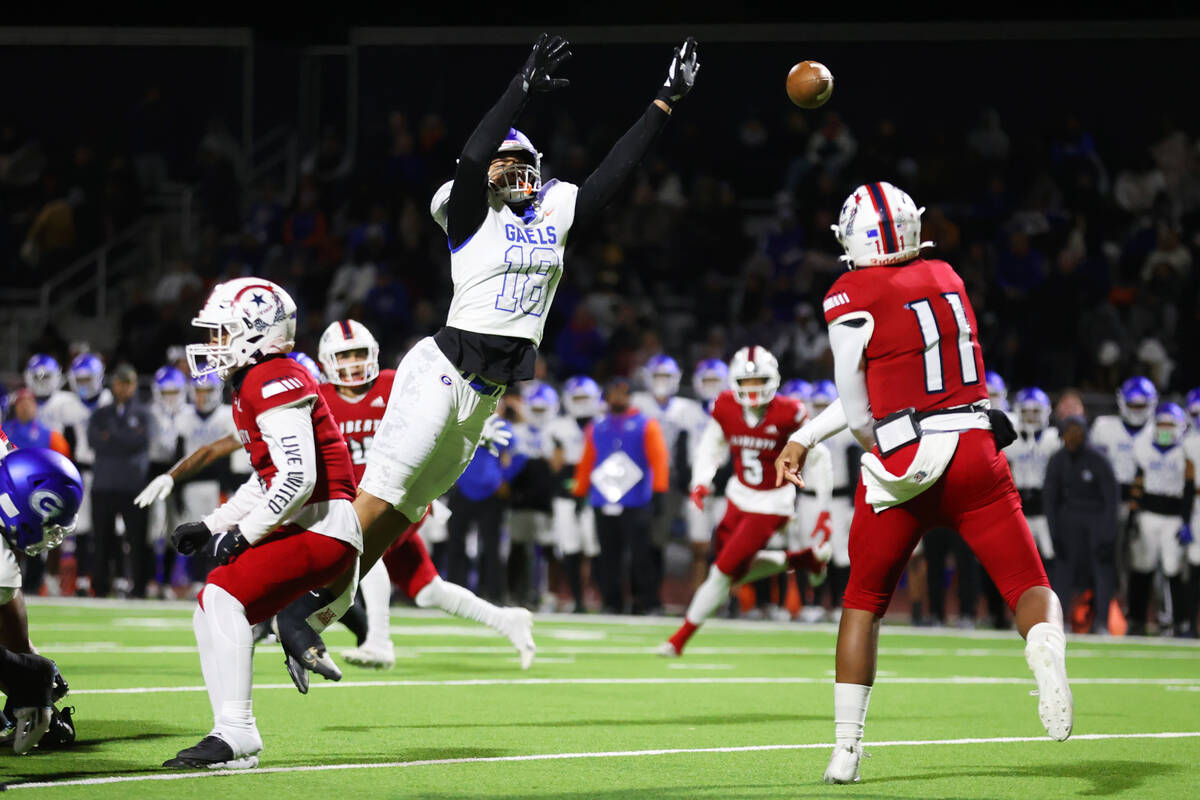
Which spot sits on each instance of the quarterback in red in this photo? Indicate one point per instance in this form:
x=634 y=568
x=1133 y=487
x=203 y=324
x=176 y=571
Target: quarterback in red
x=357 y=393
x=912 y=389
x=751 y=424
x=290 y=528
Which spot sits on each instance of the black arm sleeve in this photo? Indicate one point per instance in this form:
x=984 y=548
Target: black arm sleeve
x=616 y=167
x=468 y=198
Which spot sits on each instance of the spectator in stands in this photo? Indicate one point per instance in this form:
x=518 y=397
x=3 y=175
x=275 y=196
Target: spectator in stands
x=120 y=433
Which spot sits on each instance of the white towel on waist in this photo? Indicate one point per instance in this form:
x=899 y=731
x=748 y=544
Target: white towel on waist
x=885 y=490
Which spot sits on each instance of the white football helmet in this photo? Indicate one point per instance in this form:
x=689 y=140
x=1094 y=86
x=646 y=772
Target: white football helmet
x=344 y=336
x=248 y=319
x=206 y=391
x=879 y=225
x=752 y=363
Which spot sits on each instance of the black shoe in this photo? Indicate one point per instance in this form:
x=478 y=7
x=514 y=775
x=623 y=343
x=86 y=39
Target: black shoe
x=212 y=752
x=304 y=650
x=62 y=730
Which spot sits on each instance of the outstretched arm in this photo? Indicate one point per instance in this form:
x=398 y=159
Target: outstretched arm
x=467 y=205
x=603 y=183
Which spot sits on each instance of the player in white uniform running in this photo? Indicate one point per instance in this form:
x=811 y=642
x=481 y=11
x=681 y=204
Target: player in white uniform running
x=1027 y=458
x=1163 y=497
x=506 y=232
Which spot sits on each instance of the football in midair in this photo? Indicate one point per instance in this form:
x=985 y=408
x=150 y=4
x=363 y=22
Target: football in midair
x=809 y=84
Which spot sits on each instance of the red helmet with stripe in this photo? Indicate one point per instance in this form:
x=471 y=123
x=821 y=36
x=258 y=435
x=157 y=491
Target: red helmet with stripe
x=345 y=336
x=879 y=225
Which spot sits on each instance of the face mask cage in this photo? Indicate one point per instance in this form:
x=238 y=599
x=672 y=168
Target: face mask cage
x=215 y=357
x=514 y=182
x=341 y=370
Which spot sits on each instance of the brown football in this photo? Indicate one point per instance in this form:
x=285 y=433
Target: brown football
x=809 y=84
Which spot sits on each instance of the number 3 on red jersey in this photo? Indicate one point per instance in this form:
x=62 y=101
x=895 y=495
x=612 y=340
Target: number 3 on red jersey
x=931 y=335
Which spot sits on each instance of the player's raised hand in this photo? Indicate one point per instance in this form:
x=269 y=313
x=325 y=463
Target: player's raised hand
x=681 y=74
x=548 y=53
x=789 y=464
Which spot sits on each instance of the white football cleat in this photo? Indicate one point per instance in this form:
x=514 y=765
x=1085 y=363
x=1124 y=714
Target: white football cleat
x=518 y=627
x=1056 y=706
x=374 y=655
x=843 y=764
x=667 y=650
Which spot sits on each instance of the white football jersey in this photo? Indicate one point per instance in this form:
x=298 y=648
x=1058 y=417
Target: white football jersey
x=532 y=442
x=168 y=427
x=58 y=410
x=506 y=274
x=564 y=432
x=73 y=414
x=1163 y=471
x=1112 y=438
x=680 y=414
x=217 y=425
x=1028 y=456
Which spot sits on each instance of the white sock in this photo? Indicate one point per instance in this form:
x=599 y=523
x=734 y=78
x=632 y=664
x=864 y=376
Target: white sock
x=459 y=602
x=765 y=563
x=850 y=702
x=233 y=647
x=376 y=588
x=208 y=663
x=709 y=596
x=1047 y=633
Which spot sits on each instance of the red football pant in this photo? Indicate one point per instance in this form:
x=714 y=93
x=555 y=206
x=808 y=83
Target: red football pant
x=977 y=498
x=740 y=535
x=270 y=575
x=408 y=563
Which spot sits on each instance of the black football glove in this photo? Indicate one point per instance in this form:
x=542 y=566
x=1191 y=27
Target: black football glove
x=228 y=545
x=190 y=537
x=548 y=53
x=681 y=74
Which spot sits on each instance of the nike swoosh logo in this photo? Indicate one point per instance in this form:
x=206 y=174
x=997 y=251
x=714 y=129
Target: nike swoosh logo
x=548 y=213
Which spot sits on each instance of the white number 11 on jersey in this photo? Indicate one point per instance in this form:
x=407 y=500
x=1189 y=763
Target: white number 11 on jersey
x=524 y=285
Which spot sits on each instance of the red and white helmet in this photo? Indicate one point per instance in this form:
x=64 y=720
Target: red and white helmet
x=753 y=362
x=248 y=319
x=344 y=336
x=879 y=225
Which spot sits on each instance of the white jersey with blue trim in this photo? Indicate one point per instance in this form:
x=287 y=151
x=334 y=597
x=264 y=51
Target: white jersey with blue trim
x=1029 y=455
x=563 y=431
x=58 y=410
x=1164 y=470
x=680 y=414
x=505 y=275
x=201 y=430
x=1112 y=438
x=73 y=414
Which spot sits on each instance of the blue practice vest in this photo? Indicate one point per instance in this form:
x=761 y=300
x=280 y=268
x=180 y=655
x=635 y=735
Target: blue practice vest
x=615 y=432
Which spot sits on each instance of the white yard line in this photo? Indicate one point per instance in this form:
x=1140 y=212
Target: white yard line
x=953 y=680
x=177 y=776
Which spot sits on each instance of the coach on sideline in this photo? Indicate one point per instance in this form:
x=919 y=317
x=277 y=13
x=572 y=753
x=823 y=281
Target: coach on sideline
x=623 y=472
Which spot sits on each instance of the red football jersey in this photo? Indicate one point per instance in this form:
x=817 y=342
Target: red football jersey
x=923 y=352
x=281 y=382
x=359 y=418
x=754 y=448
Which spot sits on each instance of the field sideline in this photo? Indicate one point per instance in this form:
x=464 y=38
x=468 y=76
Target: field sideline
x=747 y=713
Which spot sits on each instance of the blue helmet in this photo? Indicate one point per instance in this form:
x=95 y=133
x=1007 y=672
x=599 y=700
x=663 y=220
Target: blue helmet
x=40 y=493
x=542 y=402
x=710 y=378
x=86 y=375
x=304 y=360
x=1033 y=409
x=43 y=375
x=582 y=396
x=661 y=375
x=521 y=181
x=169 y=387
x=1193 y=404
x=1136 y=400
x=823 y=393
x=206 y=392
x=997 y=390
x=797 y=388
x=1170 y=424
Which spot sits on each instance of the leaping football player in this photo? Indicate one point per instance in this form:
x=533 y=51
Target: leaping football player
x=911 y=387
x=506 y=232
x=750 y=423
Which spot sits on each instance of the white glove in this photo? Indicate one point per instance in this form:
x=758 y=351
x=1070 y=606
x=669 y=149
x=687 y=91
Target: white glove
x=157 y=489
x=497 y=433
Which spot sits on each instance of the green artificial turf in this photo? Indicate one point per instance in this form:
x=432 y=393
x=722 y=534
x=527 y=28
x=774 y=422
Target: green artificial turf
x=457 y=693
